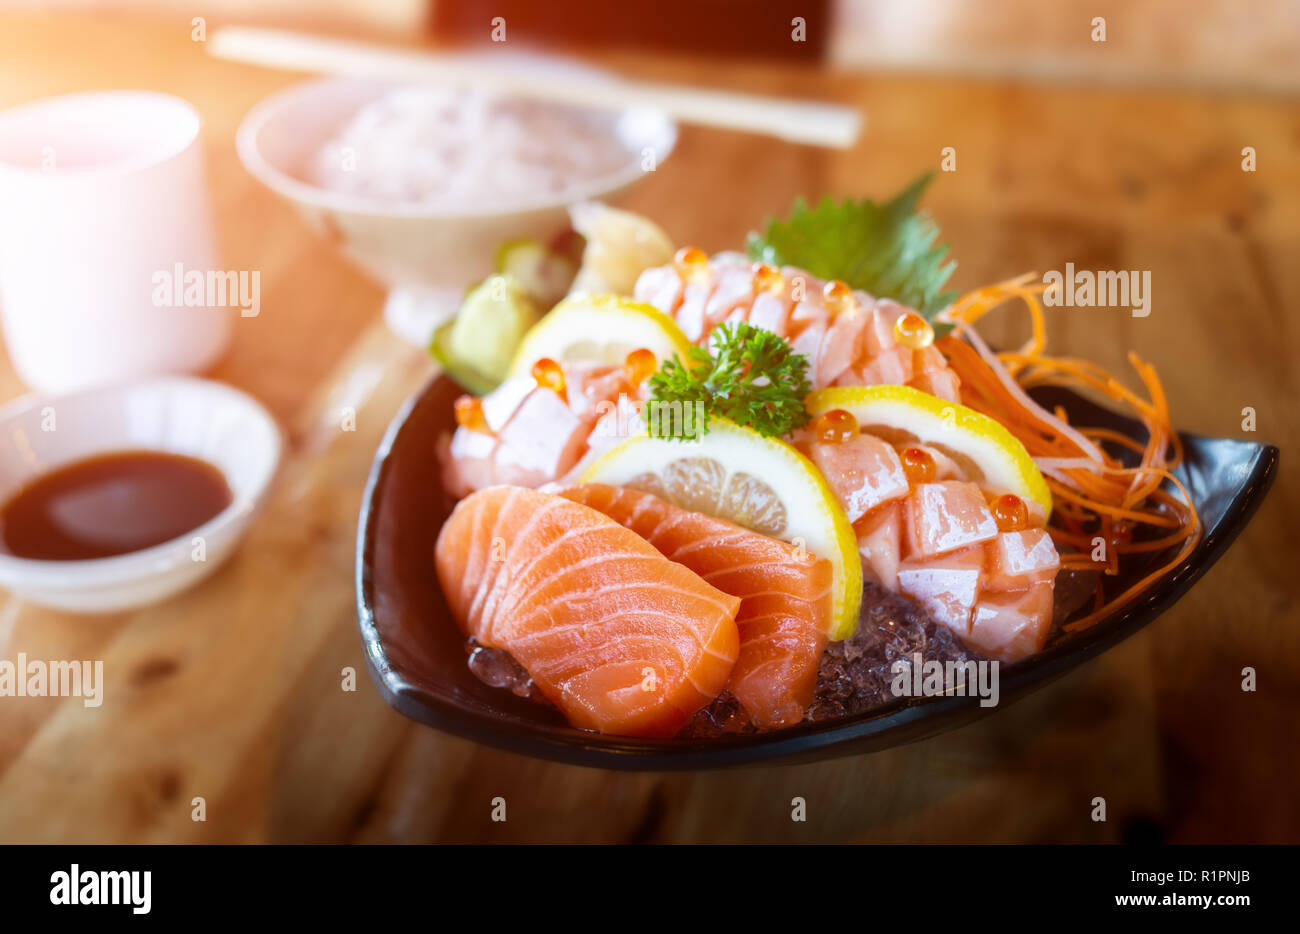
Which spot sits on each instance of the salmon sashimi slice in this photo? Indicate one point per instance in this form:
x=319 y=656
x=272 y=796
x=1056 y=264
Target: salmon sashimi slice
x=785 y=594
x=1010 y=626
x=618 y=637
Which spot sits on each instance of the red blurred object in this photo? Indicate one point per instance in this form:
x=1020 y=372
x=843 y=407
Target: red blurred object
x=739 y=28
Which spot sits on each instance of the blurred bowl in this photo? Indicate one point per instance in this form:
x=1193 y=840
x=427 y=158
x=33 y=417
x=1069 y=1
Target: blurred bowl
x=427 y=258
x=180 y=415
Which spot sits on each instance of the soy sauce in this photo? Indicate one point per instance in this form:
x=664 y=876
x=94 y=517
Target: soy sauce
x=112 y=504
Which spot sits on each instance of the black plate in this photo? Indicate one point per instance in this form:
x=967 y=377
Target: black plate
x=416 y=655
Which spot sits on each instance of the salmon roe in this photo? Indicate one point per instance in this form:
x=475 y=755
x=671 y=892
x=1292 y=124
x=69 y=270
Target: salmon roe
x=913 y=331
x=638 y=365
x=1011 y=513
x=549 y=375
x=838 y=296
x=767 y=279
x=835 y=426
x=469 y=414
x=918 y=465
x=691 y=262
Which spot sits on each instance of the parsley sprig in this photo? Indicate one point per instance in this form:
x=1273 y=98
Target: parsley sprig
x=751 y=377
x=888 y=250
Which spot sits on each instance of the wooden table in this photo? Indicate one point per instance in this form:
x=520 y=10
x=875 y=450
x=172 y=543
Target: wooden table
x=232 y=692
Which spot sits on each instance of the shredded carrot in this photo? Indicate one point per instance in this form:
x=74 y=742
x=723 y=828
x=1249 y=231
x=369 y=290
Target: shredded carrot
x=1104 y=501
x=1107 y=434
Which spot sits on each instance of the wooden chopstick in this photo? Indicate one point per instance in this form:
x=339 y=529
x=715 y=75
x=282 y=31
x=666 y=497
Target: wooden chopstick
x=794 y=120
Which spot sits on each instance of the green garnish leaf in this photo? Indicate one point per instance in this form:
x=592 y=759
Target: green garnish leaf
x=885 y=249
x=751 y=377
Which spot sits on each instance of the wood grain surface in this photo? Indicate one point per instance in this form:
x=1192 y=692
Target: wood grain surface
x=232 y=691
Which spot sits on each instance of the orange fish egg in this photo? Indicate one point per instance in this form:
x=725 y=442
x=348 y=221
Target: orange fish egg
x=691 y=263
x=835 y=426
x=838 y=296
x=550 y=375
x=918 y=465
x=638 y=365
x=469 y=414
x=1010 y=512
x=767 y=279
x=913 y=331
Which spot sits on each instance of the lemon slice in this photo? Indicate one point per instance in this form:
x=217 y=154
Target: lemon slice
x=764 y=484
x=990 y=454
x=600 y=328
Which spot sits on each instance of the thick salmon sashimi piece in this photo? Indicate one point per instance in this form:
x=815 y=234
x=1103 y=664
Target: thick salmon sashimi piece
x=785 y=594
x=618 y=637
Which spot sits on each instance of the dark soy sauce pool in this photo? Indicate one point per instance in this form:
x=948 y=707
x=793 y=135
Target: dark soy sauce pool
x=111 y=505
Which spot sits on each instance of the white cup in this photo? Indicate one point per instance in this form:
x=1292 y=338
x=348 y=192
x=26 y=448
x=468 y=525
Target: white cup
x=101 y=194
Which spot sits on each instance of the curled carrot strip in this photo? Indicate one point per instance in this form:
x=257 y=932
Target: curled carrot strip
x=1103 y=498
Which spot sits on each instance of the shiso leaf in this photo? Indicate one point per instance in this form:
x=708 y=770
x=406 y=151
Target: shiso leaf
x=888 y=250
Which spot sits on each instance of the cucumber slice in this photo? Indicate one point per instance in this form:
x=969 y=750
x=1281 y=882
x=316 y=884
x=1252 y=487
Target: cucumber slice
x=461 y=372
x=544 y=273
x=476 y=347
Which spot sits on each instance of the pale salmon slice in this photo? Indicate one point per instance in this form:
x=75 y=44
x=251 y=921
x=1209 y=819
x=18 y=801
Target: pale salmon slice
x=851 y=347
x=1021 y=559
x=890 y=367
x=842 y=346
x=880 y=545
x=939 y=544
x=1011 y=626
x=618 y=637
x=942 y=384
x=949 y=515
x=947 y=585
x=809 y=342
x=864 y=472
x=785 y=595
x=534 y=435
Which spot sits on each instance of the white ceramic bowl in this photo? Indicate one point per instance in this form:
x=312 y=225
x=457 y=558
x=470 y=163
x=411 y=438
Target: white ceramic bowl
x=181 y=415
x=427 y=259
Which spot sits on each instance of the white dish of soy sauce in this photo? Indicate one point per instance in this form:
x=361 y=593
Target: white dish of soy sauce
x=118 y=497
